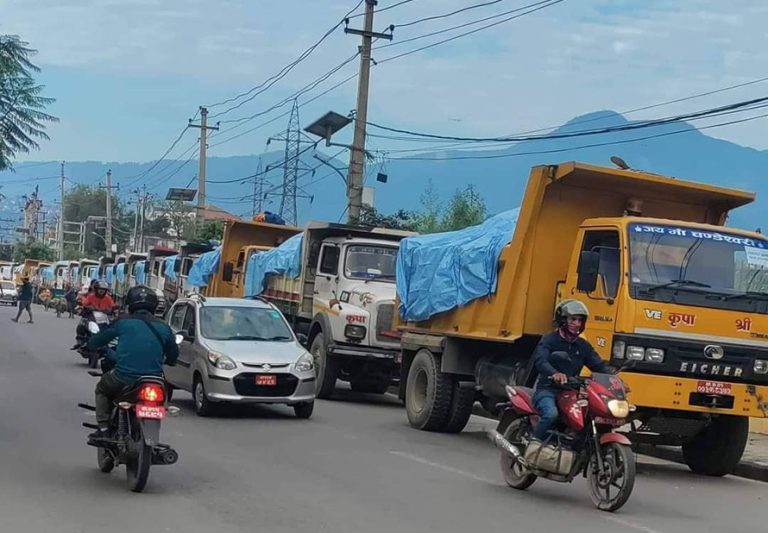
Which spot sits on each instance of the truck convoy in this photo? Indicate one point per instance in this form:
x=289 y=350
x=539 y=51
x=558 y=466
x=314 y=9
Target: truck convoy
x=673 y=294
x=336 y=285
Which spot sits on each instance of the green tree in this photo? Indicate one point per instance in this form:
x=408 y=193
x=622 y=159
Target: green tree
x=181 y=224
x=466 y=208
x=83 y=202
x=211 y=230
x=22 y=115
x=402 y=220
x=428 y=220
x=33 y=250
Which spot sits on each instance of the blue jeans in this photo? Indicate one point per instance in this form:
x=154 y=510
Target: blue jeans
x=544 y=400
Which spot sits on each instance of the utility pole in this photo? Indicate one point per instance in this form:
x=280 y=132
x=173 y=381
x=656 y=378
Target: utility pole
x=144 y=201
x=136 y=220
x=60 y=229
x=258 y=190
x=357 y=154
x=108 y=233
x=204 y=127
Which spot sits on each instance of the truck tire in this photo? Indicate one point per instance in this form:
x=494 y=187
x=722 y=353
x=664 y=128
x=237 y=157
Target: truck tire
x=370 y=386
x=326 y=368
x=462 y=402
x=717 y=449
x=428 y=393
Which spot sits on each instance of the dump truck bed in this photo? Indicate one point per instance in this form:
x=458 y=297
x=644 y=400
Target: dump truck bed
x=558 y=199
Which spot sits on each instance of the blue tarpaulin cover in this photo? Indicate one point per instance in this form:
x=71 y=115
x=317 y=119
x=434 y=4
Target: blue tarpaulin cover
x=73 y=273
x=170 y=267
x=109 y=274
x=438 y=272
x=140 y=272
x=95 y=272
x=47 y=273
x=203 y=267
x=120 y=272
x=285 y=259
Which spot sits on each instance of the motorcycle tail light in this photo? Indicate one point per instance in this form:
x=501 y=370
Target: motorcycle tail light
x=152 y=393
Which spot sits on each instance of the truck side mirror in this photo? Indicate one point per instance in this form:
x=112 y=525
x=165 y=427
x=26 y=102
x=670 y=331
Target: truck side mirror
x=228 y=271
x=589 y=264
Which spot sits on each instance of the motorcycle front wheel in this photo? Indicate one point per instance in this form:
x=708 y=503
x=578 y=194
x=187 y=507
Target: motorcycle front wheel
x=516 y=475
x=610 y=488
x=138 y=463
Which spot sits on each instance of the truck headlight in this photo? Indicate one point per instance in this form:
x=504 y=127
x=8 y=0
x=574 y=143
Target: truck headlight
x=619 y=408
x=354 y=332
x=618 y=349
x=305 y=363
x=635 y=353
x=761 y=366
x=220 y=361
x=654 y=355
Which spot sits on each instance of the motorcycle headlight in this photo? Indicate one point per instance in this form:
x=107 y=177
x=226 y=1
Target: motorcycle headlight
x=220 y=361
x=305 y=363
x=93 y=327
x=619 y=408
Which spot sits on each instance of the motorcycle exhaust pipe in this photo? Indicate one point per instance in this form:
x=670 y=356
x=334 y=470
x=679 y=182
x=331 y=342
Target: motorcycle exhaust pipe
x=503 y=444
x=169 y=457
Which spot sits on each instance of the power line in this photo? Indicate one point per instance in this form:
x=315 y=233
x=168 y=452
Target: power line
x=446 y=15
x=139 y=176
x=393 y=6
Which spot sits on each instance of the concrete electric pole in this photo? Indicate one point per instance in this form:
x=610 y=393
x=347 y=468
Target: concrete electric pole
x=108 y=232
x=204 y=127
x=60 y=229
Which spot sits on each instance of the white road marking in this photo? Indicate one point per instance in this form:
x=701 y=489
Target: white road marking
x=627 y=523
x=443 y=467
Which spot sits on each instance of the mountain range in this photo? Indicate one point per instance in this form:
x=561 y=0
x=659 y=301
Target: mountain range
x=498 y=173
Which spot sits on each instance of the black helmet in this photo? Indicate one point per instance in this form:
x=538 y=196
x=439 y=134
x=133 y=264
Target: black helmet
x=568 y=308
x=140 y=298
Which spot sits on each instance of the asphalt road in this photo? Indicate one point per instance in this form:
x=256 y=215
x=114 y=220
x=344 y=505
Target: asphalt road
x=354 y=467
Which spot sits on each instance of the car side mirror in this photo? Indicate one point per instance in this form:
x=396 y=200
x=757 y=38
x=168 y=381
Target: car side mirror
x=589 y=265
x=228 y=271
x=303 y=339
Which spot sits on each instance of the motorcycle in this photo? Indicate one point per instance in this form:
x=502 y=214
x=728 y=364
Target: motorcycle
x=585 y=441
x=135 y=429
x=93 y=320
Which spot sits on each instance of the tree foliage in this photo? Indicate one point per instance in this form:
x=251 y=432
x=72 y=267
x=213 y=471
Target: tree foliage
x=22 y=115
x=33 y=250
x=83 y=202
x=211 y=230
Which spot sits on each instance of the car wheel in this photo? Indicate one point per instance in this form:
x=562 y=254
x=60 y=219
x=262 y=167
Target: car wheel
x=326 y=367
x=304 y=410
x=203 y=406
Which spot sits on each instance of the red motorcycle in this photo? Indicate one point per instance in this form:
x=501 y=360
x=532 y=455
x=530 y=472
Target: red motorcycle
x=584 y=442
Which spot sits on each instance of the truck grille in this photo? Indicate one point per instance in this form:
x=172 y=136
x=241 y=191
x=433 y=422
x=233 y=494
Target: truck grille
x=384 y=319
x=245 y=385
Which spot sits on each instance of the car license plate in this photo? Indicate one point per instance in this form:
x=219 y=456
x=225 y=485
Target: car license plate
x=269 y=380
x=714 y=387
x=147 y=411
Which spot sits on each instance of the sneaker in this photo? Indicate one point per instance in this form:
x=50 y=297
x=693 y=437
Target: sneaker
x=100 y=434
x=30 y=321
x=15 y=320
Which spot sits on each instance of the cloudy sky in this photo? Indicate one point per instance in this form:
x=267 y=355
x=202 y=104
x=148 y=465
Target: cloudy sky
x=127 y=74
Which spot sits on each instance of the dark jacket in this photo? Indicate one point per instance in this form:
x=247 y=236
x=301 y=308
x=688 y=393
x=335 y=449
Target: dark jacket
x=71 y=295
x=139 y=352
x=25 y=293
x=580 y=354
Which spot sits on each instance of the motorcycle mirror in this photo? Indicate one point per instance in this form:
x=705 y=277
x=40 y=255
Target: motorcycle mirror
x=179 y=338
x=93 y=327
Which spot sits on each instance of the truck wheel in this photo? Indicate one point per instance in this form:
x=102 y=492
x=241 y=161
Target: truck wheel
x=428 y=393
x=462 y=402
x=326 y=368
x=371 y=386
x=717 y=449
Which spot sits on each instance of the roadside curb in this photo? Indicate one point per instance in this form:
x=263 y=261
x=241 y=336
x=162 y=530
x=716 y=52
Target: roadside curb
x=745 y=469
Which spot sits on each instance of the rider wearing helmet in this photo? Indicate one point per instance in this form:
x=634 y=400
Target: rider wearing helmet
x=144 y=343
x=571 y=319
x=99 y=299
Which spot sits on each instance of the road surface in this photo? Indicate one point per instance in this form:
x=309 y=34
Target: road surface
x=354 y=467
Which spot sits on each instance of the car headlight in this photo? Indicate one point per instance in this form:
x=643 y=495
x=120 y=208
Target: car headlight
x=761 y=366
x=220 y=361
x=654 y=355
x=635 y=353
x=618 y=349
x=354 y=332
x=305 y=363
x=619 y=408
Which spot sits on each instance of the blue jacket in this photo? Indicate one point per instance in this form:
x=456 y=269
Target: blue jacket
x=139 y=352
x=580 y=354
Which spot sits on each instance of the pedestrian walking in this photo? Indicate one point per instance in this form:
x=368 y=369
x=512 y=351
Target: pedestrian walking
x=25 y=300
x=71 y=298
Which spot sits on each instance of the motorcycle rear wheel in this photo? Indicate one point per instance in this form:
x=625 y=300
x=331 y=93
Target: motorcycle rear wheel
x=139 y=461
x=514 y=473
x=611 y=489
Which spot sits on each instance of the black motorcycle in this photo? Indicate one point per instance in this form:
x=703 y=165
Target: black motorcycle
x=134 y=433
x=91 y=323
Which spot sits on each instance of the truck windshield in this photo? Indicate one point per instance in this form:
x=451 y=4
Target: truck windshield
x=370 y=262
x=243 y=324
x=696 y=267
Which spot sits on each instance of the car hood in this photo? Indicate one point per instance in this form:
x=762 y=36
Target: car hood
x=258 y=352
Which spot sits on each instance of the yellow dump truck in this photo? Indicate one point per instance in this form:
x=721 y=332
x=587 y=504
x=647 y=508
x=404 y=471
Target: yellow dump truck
x=239 y=242
x=673 y=293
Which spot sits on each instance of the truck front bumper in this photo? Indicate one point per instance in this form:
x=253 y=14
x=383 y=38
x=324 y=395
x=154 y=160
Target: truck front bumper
x=684 y=394
x=364 y=352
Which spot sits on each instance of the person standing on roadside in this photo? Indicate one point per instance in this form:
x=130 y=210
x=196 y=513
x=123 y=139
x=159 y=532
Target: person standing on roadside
x=71 y=298
x=25 y=300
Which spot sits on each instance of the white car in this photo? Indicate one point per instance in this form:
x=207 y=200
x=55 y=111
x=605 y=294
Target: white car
x=8 y=293
x=239 y=351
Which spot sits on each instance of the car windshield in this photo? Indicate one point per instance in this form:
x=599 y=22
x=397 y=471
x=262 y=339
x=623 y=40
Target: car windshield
x=667 y=258
x=243 y=323
x=370 y=262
